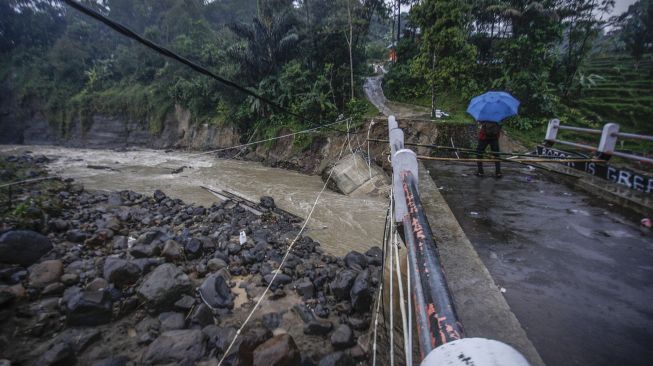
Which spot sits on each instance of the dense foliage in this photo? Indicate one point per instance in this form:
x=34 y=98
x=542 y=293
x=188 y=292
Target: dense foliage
x=296 y=53
x=542 y=51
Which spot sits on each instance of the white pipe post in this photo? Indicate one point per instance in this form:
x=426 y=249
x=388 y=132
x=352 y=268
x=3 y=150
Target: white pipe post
x=396 y=140
x=609 y=138
x=392 y=123
x=552 y=131
x=403 y=160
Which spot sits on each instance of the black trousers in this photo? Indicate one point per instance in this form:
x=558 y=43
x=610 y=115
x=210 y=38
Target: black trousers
x=494 y=146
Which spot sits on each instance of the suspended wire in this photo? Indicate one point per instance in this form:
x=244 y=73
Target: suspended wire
x=270 y=139
x=283 y=261
x=170 y=54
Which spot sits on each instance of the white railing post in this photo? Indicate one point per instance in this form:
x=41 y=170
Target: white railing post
x=392 y=123
x=396 y=140
x=609 y=139
x=402 y=160
x=552 y=131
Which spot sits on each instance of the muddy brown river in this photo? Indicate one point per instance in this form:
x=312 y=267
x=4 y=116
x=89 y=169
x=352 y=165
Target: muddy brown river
x=340 y=223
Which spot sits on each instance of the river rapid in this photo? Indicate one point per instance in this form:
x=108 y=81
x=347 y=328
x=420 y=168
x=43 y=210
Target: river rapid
x=340 y=223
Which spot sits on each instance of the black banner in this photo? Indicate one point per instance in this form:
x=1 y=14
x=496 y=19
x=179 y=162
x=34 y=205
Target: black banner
x=622 y=176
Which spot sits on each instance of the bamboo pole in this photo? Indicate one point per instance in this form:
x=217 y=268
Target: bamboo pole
x=517 y=161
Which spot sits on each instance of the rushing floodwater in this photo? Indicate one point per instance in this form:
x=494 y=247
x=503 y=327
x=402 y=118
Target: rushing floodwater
x=340 y=223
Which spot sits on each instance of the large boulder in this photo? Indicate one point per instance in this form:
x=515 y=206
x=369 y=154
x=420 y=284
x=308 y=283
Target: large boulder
x=121 y=272
x=216 y=292
x=361 y=295
x=353 y=176
x=45 y=273
x=23 y=247
x=356 y=261
x=88 y=308
x=184 y=346
x=341 y=285
x=164 y=286
x=280 y=350
x=342 y=337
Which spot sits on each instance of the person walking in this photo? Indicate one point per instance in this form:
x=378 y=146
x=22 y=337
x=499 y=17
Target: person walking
x=488 y=134
x=489 y=109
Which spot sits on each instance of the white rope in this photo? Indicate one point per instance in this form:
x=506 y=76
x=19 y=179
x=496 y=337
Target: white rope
x=369 y=157
x=283 y=261
x=409 y=299
x=392 y=338
x=402 y=308
x=376 y=322
x=26 y=181
x=273 y=138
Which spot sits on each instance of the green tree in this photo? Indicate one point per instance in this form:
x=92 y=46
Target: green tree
x=636 y=26
x=446 y=58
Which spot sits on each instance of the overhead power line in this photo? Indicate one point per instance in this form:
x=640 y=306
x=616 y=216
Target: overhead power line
x=170 y=54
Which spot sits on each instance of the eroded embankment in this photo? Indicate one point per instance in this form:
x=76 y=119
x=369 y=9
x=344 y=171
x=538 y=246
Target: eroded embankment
x=121 y=276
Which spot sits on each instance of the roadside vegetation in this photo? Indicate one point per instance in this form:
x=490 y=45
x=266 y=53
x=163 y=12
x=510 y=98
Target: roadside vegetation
x=309 y=56
x=562 y=59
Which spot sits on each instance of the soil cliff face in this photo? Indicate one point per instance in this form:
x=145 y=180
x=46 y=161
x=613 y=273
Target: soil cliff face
x=26 y=124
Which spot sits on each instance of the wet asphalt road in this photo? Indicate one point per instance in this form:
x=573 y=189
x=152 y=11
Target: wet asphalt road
x=577 y=273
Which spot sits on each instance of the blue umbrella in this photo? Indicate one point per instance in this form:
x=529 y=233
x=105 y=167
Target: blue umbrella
x=493 y=106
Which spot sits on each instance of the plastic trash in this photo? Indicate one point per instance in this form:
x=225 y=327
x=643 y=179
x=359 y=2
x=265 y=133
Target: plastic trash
x=646 y=222
x=243 y=237
x=503 y=290
x=473 y=213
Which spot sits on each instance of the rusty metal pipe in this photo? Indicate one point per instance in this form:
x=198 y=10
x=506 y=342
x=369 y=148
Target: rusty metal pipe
x=437 y=321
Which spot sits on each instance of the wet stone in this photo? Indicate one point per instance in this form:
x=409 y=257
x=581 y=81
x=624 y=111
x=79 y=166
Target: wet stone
x=342 y=337
x=176 y=346
x=305 y=288
x=342 y=284
x=45 y=273
x=89 y=308
x=279 y=350
x=356 y=261
x=164 y=286
x=121 y=272
x=215 y=291
x=361 y=294
x=374 y=256
x=59 y=354
x=318 y=327
x=23 y=247
x=202 y=316
x=337 y=359
x=172 y=321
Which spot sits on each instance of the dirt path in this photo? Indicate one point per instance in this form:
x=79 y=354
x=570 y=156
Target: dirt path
x=374 y=93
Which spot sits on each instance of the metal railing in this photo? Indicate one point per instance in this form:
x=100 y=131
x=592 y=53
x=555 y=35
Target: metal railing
x=607 y=145
x=435 y=313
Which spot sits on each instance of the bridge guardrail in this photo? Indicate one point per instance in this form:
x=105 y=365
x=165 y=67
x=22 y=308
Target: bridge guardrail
x=607 y=144
x=440 y=332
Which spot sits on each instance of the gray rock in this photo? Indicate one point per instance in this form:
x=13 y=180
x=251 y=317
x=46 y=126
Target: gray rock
x=159 y=195
x=76 y=236
x=45 y=273
x=374 y=256
x=164 y=286
x=268 y=202
x=342 y=337
x=279 y=350
x=342 y=284
x=60 y=354
x=305 y=288
x=202 y=316
x=172 y=251
x=356 y=261
x=216 y=293
x=194 y=248
x=337 y=359
x=361 y=295
x=172 y=321
x=280 y=280
x=97 y=284
x=318 y=327
x=23 y=247
x=144 y=251
x=89 y=308
x=112 y=361
x=185 y=303
x=176 y=346
x=216 y=264
x=121 y=272
x=220 y=337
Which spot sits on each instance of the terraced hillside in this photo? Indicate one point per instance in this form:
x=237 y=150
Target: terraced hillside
x=624 y=96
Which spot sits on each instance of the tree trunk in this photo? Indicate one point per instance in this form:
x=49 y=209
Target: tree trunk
x=349 y=43
x=433 y=87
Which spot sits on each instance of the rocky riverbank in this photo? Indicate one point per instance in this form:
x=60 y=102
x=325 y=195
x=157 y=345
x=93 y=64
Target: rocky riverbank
x=120 y=278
